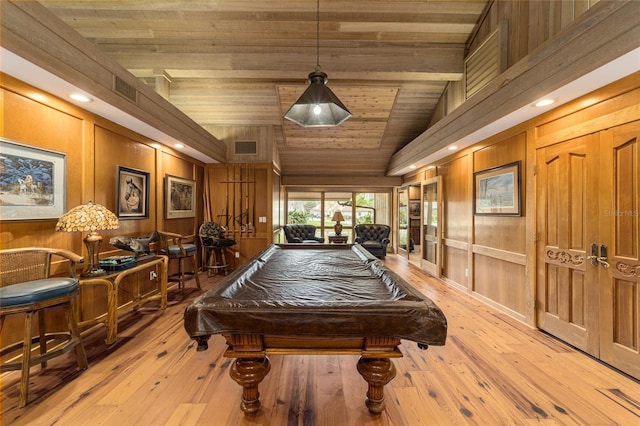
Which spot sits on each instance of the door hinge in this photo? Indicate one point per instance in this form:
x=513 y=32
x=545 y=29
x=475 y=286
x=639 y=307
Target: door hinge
x=535 y=170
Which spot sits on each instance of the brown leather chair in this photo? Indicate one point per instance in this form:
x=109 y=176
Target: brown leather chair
x=301 y=233
x=373 y=237
x=175 y=247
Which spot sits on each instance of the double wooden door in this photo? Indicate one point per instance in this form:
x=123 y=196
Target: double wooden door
x=588 y=252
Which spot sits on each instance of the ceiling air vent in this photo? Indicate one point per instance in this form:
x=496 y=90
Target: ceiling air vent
x=125 y=89
x=246 y=147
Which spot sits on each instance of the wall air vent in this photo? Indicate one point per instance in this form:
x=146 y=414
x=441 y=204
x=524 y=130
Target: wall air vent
x=125 y=89
x=246 y=147
x=484 y=64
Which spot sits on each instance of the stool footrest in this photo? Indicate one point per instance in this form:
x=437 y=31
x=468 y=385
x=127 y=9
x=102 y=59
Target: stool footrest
x=57 y=350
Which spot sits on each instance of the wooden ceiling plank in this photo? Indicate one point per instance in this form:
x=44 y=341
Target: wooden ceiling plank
x=244 y=62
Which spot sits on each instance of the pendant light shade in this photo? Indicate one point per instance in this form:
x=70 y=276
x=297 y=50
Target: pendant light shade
x=318 y=106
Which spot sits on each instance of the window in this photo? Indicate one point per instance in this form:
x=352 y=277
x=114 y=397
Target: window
x=304 y=207
x=338 y=202
x=317 y=208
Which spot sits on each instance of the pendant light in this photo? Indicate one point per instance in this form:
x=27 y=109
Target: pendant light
x=318 y=106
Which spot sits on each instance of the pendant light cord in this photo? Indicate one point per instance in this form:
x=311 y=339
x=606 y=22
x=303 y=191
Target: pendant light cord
x=318 y=35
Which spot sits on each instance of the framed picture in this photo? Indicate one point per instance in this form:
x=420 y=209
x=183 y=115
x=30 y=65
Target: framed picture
x=133 y=193
x=32 y=182
x=497 y=191
x=414 y=208
x=180 y=196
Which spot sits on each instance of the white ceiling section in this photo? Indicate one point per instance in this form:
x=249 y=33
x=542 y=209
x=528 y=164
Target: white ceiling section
x=23 y=70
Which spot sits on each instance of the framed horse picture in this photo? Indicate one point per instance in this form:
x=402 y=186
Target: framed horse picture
x=133 y=193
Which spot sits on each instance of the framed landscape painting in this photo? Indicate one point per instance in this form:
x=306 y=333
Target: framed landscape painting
x=32 y=182
x=180 y=197
x=497 y=191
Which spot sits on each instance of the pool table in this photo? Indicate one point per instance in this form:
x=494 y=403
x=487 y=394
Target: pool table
x=314 y=299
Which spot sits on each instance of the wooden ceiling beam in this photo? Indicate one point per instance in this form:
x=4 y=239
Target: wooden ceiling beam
x=288 y=76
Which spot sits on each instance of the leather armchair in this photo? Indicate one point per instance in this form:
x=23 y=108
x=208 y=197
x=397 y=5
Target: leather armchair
x=373 y=237
x=301 y=233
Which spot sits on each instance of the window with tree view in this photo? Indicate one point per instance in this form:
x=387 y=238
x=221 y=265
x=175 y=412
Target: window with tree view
x=318 y=209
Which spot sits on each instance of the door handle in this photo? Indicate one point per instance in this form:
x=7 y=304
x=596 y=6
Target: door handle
x=594 y=255
x=598 y=259
x=603 y=257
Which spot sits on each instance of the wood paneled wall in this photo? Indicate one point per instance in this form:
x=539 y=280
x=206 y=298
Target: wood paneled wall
x=242 y=200
x=493 y=257
x=531 y=23
x=262 y=135
x=499 y=241
x=94 y=149
x=526 y=24
x=456 y=187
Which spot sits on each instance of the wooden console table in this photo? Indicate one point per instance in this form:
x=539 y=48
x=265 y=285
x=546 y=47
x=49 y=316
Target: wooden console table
x=338 y=239
x=112 y=282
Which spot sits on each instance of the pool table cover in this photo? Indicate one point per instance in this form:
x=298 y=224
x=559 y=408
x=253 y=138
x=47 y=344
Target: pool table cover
x=316 y=290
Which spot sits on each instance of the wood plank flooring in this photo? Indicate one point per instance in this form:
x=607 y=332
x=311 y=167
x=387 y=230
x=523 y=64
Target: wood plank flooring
x=493 y=370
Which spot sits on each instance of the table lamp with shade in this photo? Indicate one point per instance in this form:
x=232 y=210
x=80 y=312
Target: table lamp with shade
x=337 y=218
x=89 y=217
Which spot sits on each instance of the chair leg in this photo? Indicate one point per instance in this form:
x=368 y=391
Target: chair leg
x=26 y=360
x=211 y=261
x=181 y=279
x=42 y=330
x=72 y=321
x=194 y=263
x=224 y=260
x=214 y=262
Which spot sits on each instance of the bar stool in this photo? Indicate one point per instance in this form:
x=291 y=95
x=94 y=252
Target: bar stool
x=171 y=245
x=216 y=261
x=213 y=246
x=27 y=289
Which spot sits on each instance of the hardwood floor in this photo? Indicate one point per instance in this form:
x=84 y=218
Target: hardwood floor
x=493 y=370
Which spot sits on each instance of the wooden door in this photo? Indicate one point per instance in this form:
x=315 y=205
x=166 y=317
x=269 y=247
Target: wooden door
x=619 y=234
x=403 y=221
x=567 y=220
x=588 y=267
x=431 y=246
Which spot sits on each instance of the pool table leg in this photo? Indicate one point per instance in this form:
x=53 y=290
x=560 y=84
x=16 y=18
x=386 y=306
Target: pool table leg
x=248 y=373
x=377 y=372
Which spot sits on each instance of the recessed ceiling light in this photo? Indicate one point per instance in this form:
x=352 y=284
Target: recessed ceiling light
x=413 y=166
x=453 y=148
x=38 y=97
x=179 y=145
x=544 y=102
x=80 y=97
